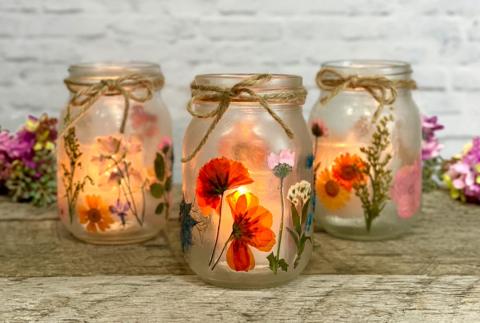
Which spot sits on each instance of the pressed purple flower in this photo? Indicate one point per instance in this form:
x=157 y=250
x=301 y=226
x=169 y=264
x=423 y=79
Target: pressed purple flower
x=120 y=209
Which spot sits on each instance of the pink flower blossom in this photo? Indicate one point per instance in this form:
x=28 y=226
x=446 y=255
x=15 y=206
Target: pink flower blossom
x=143 y=122
x=165 y=143
x=431 y=149
x=284 y=157
x=407 y=189
x=430 y=145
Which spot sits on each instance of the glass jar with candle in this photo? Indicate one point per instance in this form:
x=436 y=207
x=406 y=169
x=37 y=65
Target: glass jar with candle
x=366 y=132
x=246 y=212
x=114 y=153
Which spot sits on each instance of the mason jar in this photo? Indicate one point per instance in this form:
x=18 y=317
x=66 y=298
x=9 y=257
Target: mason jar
x=366 y=133
x=246 y=219
x=114 y=153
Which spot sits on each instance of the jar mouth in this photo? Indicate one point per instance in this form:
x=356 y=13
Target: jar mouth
x=95 y=71
x=369 y=67
x=227 y=80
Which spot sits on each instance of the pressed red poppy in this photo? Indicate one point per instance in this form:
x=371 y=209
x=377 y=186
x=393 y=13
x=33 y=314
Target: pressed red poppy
x=218 y=176
x=348 y=170
x=251 y=228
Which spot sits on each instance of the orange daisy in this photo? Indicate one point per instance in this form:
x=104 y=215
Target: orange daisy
x=331 y=194
x=94 y=214
x=251 y=228
x=348 y=170
x=216 y=177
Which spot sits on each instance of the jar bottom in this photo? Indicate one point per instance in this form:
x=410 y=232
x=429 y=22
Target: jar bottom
x=119 y=239
x=356 y=230
x=259 y=279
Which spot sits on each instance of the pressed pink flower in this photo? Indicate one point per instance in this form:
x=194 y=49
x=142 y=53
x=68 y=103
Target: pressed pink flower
x=143 y=122
x=406 y=190
x=284 y=157
x=282 y=163
x=165 y=143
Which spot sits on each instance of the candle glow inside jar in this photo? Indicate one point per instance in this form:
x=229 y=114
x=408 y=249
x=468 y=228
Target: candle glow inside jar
x=114 y=153
x=246 y=212
x=366 y=133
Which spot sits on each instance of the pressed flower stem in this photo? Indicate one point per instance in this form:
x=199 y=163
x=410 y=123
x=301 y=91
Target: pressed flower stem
x=223 y=250
x=218 y=230
x=280 y=230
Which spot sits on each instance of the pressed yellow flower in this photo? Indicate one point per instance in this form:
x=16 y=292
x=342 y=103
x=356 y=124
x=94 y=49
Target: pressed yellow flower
x=332 y=195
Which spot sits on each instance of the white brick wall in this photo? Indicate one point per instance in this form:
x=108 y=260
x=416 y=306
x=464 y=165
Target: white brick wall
x=39 y=39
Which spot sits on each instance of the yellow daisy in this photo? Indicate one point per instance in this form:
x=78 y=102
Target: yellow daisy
x=332 y=195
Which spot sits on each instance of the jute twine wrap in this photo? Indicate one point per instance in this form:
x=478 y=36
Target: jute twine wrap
x=382 y=89
x=240 y=92
x=135 y=87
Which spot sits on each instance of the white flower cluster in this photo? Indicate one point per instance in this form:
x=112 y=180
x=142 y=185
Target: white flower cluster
x=300 y=192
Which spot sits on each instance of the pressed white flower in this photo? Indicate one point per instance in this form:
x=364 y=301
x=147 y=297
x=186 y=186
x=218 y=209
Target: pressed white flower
x=299 y=192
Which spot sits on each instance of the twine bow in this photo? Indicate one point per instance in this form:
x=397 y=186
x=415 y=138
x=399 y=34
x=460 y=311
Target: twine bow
x=241 y=91
x=127 y=86
x=382 y=89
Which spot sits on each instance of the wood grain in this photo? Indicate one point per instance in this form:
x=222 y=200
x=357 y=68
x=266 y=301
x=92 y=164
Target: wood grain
x=168 y=298
x=444 y=241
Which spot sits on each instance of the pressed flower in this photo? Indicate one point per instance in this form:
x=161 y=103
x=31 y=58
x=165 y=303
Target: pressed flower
x=319 y=129
x=143 y=122
x=95 y=214
x=120 y=209
x=299 y=193
x=187 y=224
x=406 y=190
x=216 y=177
x=241 y=143
x=251 y=228
x=165 y=144
x=329 y=191
x=348 y=170
x=281 y=163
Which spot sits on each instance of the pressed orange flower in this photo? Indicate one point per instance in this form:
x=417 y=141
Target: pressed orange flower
x=217 y=176
x=348 y=170
x=251 y=228
x=94 y=214
x=331 y=194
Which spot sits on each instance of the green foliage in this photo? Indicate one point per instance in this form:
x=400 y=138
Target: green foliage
x=298 y=234
x=163 y=186
x=37 y=186
x=431 y=174
x=374 y=198
x=276 y=264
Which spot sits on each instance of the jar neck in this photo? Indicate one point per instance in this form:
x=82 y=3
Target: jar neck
x=392 y=70
x=91 y=73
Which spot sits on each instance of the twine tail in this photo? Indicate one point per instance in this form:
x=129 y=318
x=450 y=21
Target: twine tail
x=220 y=111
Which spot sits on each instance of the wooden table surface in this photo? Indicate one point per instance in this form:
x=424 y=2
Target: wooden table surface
x=430 y=274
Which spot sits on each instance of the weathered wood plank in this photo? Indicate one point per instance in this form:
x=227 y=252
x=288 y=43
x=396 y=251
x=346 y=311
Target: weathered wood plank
x=325 y=298
x=444 y=241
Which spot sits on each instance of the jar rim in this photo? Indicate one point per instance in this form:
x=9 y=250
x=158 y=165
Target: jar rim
x=370 y=67
x=227 y=80
x=95 y=71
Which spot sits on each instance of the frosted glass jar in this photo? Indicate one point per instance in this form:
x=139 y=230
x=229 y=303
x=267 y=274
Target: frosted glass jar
x=358 y=197
x=114 y=159
x=246 y=215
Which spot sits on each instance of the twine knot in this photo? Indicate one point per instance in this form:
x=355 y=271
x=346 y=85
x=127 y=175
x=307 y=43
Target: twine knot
x=383 y=90
x=135 y=87
x=242 y=91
